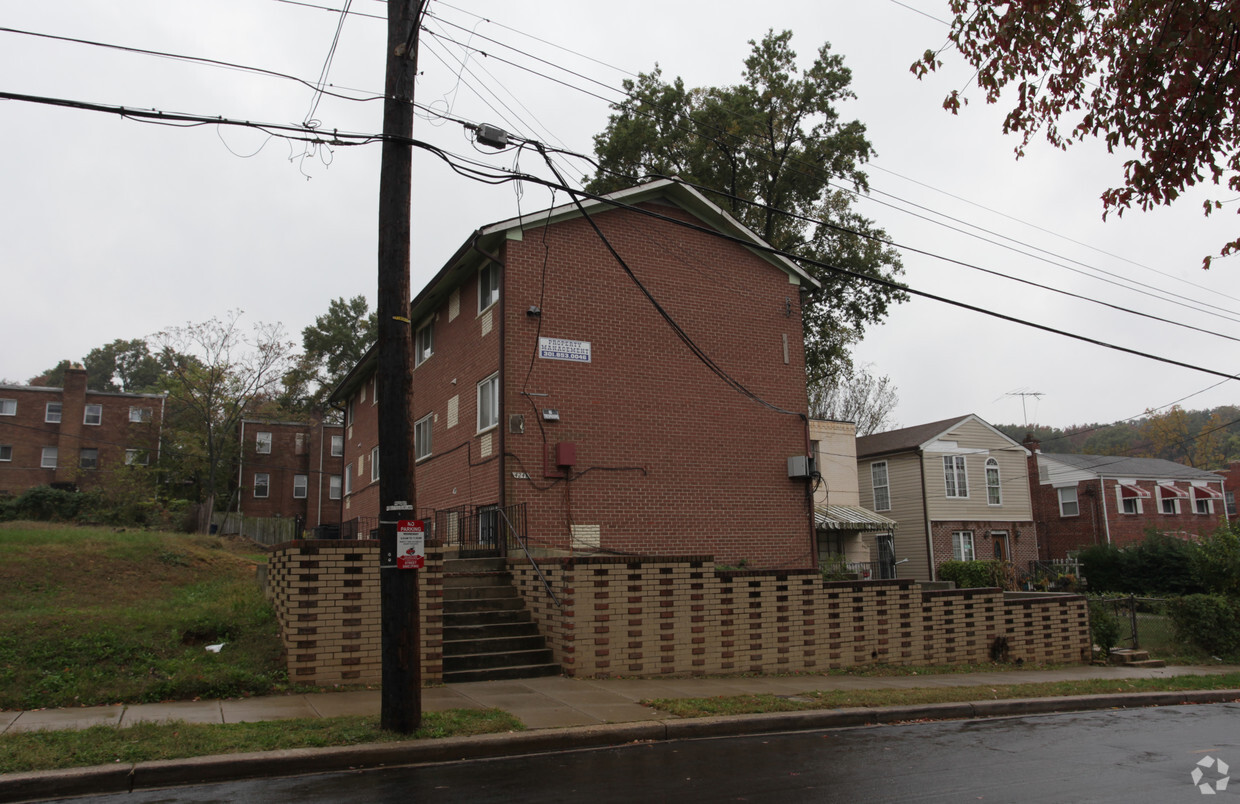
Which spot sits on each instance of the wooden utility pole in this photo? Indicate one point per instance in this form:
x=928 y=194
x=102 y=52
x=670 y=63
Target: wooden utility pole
x=401 y=698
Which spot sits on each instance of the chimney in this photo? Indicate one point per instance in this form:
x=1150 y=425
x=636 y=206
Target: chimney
x=1032 y=444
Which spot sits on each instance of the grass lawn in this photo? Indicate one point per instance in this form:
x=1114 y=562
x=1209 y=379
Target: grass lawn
x=99 y=615
x=102 y=745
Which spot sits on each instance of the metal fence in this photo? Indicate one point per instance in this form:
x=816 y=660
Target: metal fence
x=472 y=529
x=1145 y=624
x=1060 y=575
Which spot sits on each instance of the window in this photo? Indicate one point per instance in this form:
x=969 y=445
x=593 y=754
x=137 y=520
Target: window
x=994 y=496
x=8 y=407
x=488 y=286
x=348 y=413
x=374 y=388
x=262 y=483
x=137 y=457
x=1169 y=505
x=374 y=464
x=954 y=476
x=962 y=545
x=878 y=480
x=299 y=443
x=6 y=452
x=48 y=460
x=52 y=415
x=1230 y=499
x=88 y=458
x=94 y=414
x=262 y=443
x=333 y=487
x=424 y=344
x=488 y=403
x=1204 y=505
x=1169 y=499
x=337 y=446
x=348 y=479
x=1130 y=505
x=139 y=414
x=1068 y=505
x=300 y=483
x=422 y=437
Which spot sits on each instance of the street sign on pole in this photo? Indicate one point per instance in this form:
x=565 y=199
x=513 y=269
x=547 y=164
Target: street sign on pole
x=410 y=544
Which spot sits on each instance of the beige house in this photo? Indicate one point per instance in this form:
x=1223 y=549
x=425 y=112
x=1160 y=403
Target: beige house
x=845 y=531
x=958 y=489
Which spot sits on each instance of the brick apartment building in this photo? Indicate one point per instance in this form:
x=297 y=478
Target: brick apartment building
x=650 y=413
x=1083 y=500
x=291 y=469
x=69 y=437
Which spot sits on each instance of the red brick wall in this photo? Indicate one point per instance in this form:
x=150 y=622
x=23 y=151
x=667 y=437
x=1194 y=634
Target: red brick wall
x=1021 y=540
x=360 y=437
x=670 y=459
x=27 y=433
x=297 y=448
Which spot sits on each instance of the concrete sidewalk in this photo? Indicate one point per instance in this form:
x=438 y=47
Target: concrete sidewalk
x=550 y=702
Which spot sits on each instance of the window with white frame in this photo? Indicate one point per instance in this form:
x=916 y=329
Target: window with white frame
x=337 y=446
x=348 y=412
x=424 y=343
x=1168 y=501
x=1204 y=505
x=1130 y=505
x=488 y=403
x=962 y=545
x=1068 y=504
x=8 y=407
x=374 y=464
x=93 y=415
x=422 y=445
x=262 y=443
x=488 y=286
x=374 y=388
x=138 y=415
x=955 y=478
x=48 y=460
x=52 y=414
x=348 y=479
x=333 y=487
x=262 y=484
x=6 y=452
x=137 y=457
x=879 y=482
x=994 y=493
x=1229 y=499
x=88 y=458
x=300 y=484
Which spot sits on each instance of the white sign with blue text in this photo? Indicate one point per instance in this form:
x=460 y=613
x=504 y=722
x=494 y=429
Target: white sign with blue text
x=564 y=349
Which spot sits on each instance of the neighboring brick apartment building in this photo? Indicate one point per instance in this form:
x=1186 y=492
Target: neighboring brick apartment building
x=70 y=436
x=956 y=487
x=650 y=413
x=1083 y=500
x=291 y=469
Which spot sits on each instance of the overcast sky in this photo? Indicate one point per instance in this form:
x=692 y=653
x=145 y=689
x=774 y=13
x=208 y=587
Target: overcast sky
x=117 y=229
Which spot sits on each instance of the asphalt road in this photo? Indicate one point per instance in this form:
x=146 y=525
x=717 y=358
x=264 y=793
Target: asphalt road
x=1137 y=755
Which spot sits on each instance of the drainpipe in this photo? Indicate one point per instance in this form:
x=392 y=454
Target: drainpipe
x=1106 y=516
x=241 y=469
x=925 y=507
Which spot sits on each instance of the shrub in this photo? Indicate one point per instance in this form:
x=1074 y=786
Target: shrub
x=974 y=574
x=1216 y=561
x=1209 y=622
x=1104 y=627
x=1159 y=564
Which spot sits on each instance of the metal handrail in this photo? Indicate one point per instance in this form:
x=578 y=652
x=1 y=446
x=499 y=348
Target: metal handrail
x=546 y=584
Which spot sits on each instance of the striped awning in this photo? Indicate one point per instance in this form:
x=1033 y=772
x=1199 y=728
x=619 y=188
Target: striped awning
x=850 y=517
x=1206 y=493
x=1129 y=491
x=1172 y=490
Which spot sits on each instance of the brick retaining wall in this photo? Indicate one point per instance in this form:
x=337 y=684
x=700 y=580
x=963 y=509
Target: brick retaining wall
x=678 y=616
x=326 y=597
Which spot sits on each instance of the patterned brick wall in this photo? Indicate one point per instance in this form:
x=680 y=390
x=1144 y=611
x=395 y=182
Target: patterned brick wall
x=678 y=616
x=326 y=597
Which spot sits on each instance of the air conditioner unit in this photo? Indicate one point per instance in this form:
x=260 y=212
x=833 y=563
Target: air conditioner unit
x=800 y=466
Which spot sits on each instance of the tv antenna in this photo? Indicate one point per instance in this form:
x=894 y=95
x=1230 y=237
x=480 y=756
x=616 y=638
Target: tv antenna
x=1024 y=395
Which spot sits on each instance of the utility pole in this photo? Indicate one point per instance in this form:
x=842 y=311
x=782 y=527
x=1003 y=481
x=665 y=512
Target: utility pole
x=401 y=697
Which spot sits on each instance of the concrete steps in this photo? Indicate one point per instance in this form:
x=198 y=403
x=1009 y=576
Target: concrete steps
x=1134 y=658
x=488 y=633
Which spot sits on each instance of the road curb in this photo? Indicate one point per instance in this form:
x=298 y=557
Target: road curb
x=104 y=779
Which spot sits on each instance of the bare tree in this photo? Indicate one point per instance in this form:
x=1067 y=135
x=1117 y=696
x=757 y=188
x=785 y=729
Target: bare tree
x=217 y=371
x=855 y=395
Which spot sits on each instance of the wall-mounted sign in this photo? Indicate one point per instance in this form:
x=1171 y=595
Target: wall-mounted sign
x=410 y=544
x=564 y=349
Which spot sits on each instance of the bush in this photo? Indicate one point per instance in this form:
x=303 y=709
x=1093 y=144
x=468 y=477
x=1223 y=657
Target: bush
x=1104 y=626
x=1158 y=565
x=1208 y=622
x=975 y=574
x=47 y=504
x=1216 y=561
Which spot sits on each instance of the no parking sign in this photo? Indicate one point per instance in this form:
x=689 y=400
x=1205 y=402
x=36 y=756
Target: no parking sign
x=410 y=544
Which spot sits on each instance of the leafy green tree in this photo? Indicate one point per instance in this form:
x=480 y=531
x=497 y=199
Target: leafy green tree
x=53 y=377
x=333 y=344
x=123 y=365
x=1216 y=561
x=775 y=139
x=1155 y=76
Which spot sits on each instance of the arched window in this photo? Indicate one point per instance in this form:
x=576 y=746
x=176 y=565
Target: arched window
x=993 y=495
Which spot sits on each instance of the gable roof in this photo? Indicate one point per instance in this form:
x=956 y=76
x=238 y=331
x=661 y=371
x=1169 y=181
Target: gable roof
x=1123 y=466
x=919 y=436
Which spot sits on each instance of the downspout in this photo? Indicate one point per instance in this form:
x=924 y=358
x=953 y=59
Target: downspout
x=925 y=508
x=318 y=512
x=809 y=496
x=1106 y=516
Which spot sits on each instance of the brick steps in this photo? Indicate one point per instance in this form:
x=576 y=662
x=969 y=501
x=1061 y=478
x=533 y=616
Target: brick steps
x=488 y=633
